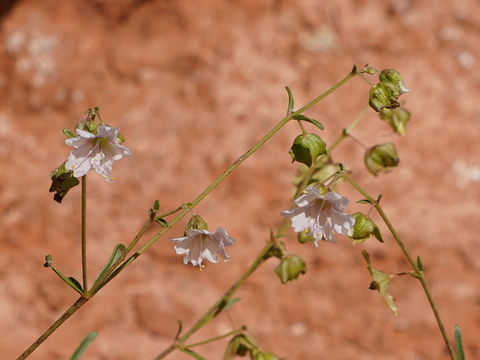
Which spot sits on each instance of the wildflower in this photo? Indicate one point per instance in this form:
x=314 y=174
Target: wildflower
x=319 y=213
x=199 y=244
x=95 y=150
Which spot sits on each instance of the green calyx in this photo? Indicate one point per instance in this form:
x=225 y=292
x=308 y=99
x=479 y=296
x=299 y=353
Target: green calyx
x=196 y=223
x=307 y=148
x=363 y=229
x=396 y=118
x=290 y=268
x=381 y=158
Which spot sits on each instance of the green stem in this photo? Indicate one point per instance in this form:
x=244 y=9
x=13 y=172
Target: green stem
x=218 y=306
x=84 y=232
x=419 y=273
x=70 y=311
x=171 y=212
x=240 y=329
x=202 y=195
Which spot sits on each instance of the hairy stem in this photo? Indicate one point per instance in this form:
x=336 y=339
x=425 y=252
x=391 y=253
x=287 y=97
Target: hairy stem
x=419 y=273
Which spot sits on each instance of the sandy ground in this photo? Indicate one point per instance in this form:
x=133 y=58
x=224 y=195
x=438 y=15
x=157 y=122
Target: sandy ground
x=193 y=85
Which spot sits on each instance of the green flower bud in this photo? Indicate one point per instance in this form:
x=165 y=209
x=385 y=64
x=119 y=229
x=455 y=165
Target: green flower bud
x=303 y=237
x=196 y=222
x=290 y=268
x=381 y=97
x=396 y=118
x=306 y=148
x=394 y=79
x=363 y=229
x=381 y=158
x=385 y=94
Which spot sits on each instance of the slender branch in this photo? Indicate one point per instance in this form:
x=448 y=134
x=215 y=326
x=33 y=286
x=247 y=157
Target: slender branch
x=346 y=132
x=84 y=232
x=240 y=329
x=70 y=311
x=184 y=212
x=419 y=273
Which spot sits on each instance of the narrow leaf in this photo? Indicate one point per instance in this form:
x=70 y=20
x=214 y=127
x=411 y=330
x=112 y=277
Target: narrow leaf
x=119 y=252
x=156 y=204
x=419 y=264
x=459 y=344
x=162 y=222
x=74 y=284
x=317 y=123
x=231 y=302
x=180 y=327
x=290 y=100
x=378 y=234
x=192 y=353
x=83 y=345
x=69 y=133
x=364 y=201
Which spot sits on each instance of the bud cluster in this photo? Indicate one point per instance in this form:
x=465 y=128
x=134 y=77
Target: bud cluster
x=386 y=92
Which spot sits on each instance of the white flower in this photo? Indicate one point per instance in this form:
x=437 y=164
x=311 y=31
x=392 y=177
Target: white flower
x=202 y=244
x=95 y=150
x=321 y=215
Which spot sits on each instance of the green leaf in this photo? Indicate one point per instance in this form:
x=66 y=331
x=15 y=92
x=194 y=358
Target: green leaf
x=378 y=235
x=364 y=201
x=119 y=252
x=419 y=264
x=459 y=344
x=180 y=327
x=69 y=133
x=290 y=100
x=156 y=205
x=192 y=353
x=301 y=117
x=75 y=282
x=231 y=302
x=354 y=69
x=83 y=345
x=162 y=222
x=70 y=281
x=381 y=282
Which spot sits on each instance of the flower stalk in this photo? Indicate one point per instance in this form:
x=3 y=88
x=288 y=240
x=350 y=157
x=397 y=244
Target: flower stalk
x=419 y=274
x=84 y=233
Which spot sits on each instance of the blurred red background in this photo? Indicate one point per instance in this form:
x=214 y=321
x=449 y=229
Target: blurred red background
x=193 y=85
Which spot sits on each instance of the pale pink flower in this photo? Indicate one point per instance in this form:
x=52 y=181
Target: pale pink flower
x=202 y=244
x=97 y=151
x=321 y=215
